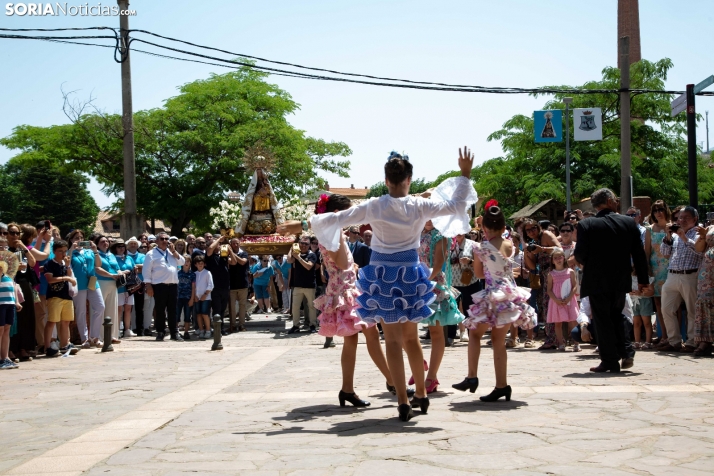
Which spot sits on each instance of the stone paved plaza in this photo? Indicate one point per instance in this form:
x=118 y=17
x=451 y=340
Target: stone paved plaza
x=267 y=405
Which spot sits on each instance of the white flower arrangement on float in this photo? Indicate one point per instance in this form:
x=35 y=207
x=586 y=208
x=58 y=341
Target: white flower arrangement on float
x=226 y=215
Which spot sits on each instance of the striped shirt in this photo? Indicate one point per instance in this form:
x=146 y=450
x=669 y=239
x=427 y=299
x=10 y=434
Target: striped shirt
x=7 y=290
x=682 y=255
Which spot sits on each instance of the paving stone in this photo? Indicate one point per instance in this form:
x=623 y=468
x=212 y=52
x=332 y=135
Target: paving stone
x=191 y=411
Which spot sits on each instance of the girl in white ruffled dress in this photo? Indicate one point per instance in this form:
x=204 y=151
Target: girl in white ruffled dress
x=497 y=307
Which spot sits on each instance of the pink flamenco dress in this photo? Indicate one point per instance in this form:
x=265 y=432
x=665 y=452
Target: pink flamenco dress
x=338 y=306
x=562 y=287
x=502 y=302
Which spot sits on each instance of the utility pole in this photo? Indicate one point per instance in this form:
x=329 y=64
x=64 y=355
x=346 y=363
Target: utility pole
x=625 y=152
x=567 y=102
x=692 y=147
x=130 y=223
x=707 y=115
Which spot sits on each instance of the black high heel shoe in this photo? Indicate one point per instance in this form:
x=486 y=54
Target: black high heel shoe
x=422 y=403
x=393 y=390
x=352 y=398
x=405 y=412
x=498 y=393
x=470 y=384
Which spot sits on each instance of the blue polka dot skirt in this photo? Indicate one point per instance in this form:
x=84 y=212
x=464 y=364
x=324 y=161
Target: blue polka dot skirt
x=395 y=288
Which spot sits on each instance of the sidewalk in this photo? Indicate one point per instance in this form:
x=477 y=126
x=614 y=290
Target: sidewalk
x=267 y=405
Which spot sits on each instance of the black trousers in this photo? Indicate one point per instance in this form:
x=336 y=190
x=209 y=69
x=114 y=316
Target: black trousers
x=139 y=311
x=576 y=335
x=607 y=317
x=166 y=299
x=219 y=301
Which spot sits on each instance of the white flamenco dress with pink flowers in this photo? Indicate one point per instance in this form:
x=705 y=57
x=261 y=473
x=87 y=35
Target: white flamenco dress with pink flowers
x=501 y=303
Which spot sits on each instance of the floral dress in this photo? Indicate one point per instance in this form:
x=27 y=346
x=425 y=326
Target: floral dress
x=445 y=307
x=338 y=305
x=704 y=308
x=659 y=264
x=501 y=303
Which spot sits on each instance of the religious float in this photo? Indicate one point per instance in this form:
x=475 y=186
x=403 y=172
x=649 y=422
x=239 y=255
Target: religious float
x=261 y=213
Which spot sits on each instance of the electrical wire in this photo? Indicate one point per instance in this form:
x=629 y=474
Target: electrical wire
x=120 y=49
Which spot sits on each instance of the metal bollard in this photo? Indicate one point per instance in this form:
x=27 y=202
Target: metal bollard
x=217 y=321
x=107 y=347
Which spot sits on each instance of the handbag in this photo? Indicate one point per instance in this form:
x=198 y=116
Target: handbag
x=534 y=280
x=121 y=281
x=466 y=276
x=133 y=283
x=92 y=283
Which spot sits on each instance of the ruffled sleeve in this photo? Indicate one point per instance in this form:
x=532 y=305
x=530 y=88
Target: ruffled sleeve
x=448 y=204
x=328 y=226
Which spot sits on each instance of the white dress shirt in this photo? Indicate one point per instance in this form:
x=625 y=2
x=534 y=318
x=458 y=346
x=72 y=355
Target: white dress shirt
x=160 y=267
x=397 y=222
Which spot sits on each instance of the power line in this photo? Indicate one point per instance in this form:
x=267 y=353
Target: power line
x=379 y=80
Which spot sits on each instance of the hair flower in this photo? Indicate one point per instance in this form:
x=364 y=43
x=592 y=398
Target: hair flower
x=322 y=203
x=491 y=203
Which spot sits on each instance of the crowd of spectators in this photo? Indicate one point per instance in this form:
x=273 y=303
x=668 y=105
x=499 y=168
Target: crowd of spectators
x=161 y=286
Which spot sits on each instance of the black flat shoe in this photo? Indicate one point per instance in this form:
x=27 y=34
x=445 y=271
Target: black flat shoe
x=470 y=384
x=393 y=390
x=603 y=367
x=422 y=403
x=294 y=330
x=706 y=352
x=329 y=342
x=498 y=393
x=352 y=398
x=405 y=412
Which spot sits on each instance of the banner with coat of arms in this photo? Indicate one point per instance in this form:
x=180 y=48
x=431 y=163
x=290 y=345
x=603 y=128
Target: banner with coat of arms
x=587 y=124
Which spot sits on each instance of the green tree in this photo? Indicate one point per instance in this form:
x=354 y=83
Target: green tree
x=46 y=191
x=530 y=172
x=189 y=153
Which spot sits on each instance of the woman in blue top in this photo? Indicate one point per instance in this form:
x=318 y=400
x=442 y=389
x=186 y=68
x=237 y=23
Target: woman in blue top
x=107 y=274
x=262 y=271
x=84 y=261
x=126 y=300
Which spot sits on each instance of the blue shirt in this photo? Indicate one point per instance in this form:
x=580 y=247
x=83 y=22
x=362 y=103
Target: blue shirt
x=109 y=263
x=264 y=278
x=138 y=259
x=125 y=264
x=7 y=290
x=185 y=283
x=284 y=268
x=83 y=268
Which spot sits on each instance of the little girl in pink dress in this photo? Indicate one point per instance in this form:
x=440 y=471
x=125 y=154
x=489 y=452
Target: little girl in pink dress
x=563 y=307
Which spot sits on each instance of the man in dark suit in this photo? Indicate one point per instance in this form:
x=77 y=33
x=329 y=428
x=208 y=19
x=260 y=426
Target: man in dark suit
x=608 y=244
x=361 y=253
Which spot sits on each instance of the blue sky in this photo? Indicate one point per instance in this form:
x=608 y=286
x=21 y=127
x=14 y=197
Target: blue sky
x=516 y=43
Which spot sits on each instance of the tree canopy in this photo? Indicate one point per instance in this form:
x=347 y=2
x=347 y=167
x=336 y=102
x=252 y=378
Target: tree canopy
x=34 y=192
x=530 y=172
x=189 y=152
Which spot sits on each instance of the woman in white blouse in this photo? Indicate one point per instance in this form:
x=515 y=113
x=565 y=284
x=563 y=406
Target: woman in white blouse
x=396 y=290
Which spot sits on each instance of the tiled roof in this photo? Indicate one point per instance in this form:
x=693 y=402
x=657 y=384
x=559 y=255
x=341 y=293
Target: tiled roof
x=350 y=192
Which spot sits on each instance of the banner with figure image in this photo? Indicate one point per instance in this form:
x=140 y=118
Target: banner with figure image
x=548 y=125
x=587 y=124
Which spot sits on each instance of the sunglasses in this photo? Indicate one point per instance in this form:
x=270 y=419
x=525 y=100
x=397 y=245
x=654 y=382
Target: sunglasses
x=162 y=239
x=658 y=210
x=13 y=233
x=533 y=228
x=200 y=242
x=264 y=260
x=633 y=215
x=3 y=233
x=120 y=246
x=304 y=244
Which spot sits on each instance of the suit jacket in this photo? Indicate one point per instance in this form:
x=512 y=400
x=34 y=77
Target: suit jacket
x=608 y=244
x=361 y=254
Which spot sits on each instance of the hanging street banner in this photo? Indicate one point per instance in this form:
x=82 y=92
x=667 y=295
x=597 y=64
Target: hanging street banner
x=548 y=125
x=587 y=124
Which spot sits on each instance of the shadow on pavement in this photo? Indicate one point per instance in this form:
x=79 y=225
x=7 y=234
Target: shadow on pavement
x=622 y=373
x=479 y=406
